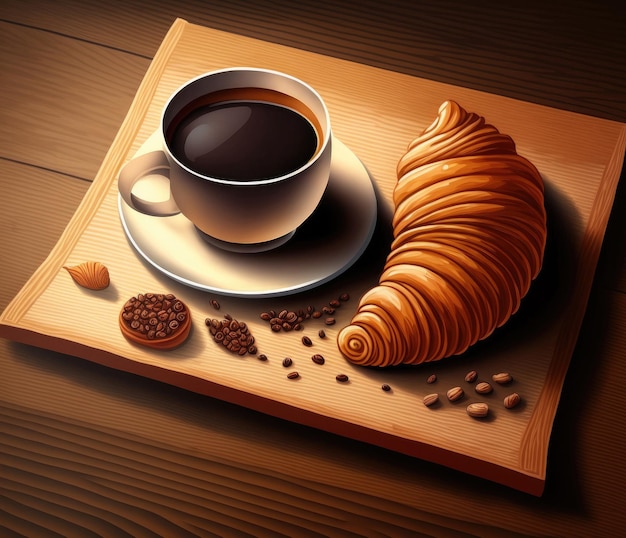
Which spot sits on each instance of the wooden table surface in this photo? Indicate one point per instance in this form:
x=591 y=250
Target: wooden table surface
x=87 y=450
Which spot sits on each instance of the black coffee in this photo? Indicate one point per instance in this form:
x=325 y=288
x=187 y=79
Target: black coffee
x=242 y=140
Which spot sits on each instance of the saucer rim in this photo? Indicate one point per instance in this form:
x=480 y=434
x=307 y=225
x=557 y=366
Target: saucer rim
x=265 y=293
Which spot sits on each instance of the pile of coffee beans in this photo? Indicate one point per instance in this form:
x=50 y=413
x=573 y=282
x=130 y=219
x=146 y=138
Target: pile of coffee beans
x=234 y=335
x=154 y=315
x=293 y=320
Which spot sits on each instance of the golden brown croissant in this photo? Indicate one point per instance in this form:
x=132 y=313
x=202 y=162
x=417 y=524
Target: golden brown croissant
x=469 y=230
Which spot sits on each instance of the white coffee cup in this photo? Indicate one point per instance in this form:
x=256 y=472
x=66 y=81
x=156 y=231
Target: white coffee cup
x=243 y=210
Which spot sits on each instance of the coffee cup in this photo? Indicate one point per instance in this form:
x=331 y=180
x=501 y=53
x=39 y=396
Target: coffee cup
x=247 y=152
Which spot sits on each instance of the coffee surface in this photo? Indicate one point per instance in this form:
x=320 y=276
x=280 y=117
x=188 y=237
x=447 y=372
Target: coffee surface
x=243 y=140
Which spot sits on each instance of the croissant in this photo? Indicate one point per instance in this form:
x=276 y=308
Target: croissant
x=469 y=233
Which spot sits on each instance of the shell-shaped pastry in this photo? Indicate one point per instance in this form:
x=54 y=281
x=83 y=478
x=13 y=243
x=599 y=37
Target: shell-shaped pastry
x=469 y=229
x=90 y=274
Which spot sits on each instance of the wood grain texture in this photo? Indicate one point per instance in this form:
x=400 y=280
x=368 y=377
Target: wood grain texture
x=60 y=92
x=53 y=403
x=521 y=50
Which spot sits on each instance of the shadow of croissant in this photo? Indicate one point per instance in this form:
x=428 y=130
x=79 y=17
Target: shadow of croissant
x=550 y=293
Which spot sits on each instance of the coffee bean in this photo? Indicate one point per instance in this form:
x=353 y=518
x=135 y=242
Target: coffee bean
x=483 y=388
x=266 y=316
x=328 y=310
x=215 y=304
x=262 y=357
x=318 y=359
x=344 y=297
x=431 y=379
x=317 y=314
x=307 y=341
x=385 y=387
x=321 y=333
x=329 y=321
x=293 y=375
x=342 y=378
x=431 y=399
x=334 y=303
x=287 y=362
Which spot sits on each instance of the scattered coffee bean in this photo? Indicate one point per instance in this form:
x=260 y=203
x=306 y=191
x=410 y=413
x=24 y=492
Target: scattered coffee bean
x=512 y=400
x=266 y=316
x=455 y=394
x=215 y=304
x=329 y=321
x=287 y=362
x=262 y=357
x=483 y=388
x=471 y=376
x=431 y=379
x=307 y=341
x=317 y=314
x=334 y=303
x=478 y=410
x=328 y=310
x=342 y=378
x=385 y=387
x=318 y=359
x=431 y=399
x=344 y=297
x=232 y=334
x=321 y=333
x=502 y=378
x=293 y=375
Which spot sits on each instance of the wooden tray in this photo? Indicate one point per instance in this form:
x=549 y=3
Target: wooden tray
x=375 y=113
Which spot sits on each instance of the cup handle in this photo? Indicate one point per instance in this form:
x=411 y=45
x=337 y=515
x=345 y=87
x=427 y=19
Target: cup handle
x=154 y=162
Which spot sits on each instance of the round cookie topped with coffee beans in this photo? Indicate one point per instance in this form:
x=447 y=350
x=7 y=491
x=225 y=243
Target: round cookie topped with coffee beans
x=156 y=320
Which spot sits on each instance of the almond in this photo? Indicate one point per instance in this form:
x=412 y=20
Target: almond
x=471 y=376
x=502 y=378
x=478 y=410
x=455 y=394
x=512 y=400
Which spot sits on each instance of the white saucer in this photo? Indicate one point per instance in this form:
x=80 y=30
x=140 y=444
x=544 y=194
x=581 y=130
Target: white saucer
x=322 y=248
